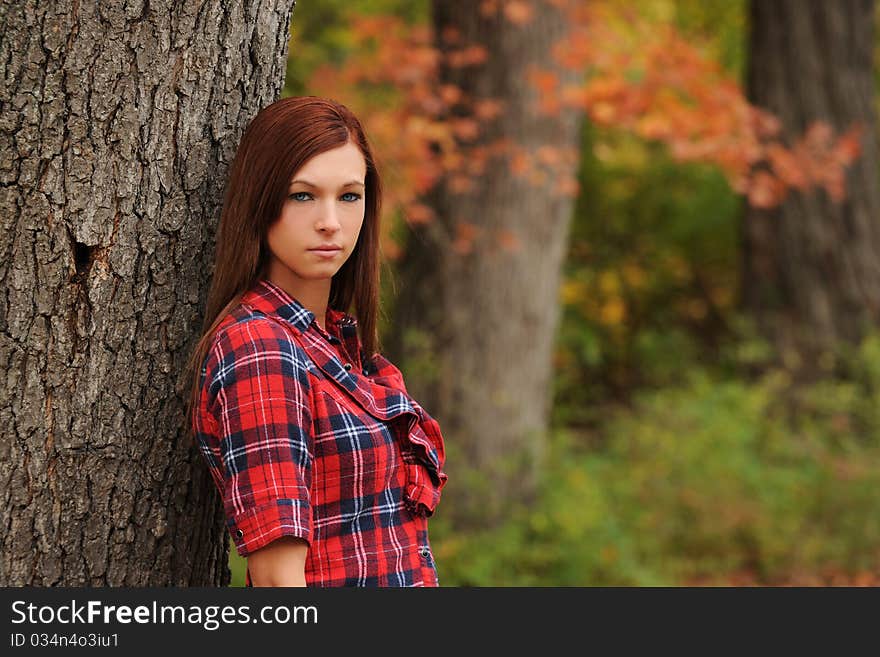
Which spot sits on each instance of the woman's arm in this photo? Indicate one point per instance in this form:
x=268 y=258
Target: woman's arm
x=280 y=563
x=259 y=398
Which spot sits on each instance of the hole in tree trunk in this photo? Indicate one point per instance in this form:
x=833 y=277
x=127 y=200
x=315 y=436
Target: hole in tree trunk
x=82 y=254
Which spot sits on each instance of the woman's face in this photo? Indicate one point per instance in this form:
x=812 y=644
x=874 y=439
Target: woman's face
x=324 y=208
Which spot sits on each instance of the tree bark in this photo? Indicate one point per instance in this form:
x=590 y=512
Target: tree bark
x=483 y=319
x=811 y=270
x=117 y=122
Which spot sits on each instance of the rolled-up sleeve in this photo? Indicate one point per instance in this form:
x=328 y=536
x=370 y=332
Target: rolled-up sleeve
x=258 y=395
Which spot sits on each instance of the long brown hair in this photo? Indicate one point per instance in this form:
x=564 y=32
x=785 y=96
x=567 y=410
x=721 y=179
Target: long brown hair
x=279 y=140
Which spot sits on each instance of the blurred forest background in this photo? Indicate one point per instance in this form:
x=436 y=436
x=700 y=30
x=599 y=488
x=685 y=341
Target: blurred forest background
x=632 y=266
x=686 y=442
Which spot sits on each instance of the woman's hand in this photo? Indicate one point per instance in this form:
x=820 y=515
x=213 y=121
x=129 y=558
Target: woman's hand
x=281 y=563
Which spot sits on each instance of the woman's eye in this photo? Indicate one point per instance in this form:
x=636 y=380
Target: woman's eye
x=356 y=196
x=295 y=196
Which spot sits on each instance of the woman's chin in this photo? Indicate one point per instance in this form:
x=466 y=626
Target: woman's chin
x=319 y=273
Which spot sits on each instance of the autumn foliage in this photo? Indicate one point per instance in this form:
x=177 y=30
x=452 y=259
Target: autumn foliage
x=683 y=467
x=622 y=70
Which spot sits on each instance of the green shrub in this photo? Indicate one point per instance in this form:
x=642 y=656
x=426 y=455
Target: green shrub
x=700 y=483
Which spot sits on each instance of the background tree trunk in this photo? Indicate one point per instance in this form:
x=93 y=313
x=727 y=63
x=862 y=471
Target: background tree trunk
x=811 y=273
x=485 y=319
x=117 y=122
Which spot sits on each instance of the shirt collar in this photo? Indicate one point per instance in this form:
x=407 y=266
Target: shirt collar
x=269 y=298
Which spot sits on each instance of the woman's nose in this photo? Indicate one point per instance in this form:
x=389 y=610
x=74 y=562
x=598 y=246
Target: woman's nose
x=328 y=219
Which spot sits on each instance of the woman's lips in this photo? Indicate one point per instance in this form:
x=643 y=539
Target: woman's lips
x=325 y=253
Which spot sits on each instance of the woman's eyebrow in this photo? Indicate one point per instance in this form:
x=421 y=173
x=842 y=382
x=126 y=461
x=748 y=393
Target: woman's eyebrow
x=306 y=182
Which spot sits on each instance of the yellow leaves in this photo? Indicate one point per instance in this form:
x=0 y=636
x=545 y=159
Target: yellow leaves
x=609 y=283
x=636 y=278
x=600 y=298
x=613 y=312
x=572 y=291
x=603 y=112
x=654 y=126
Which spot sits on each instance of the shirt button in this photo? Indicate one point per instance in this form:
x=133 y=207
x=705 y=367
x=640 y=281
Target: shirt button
x=425 y=552
x=347 y=367
x=365 y=372
x=239 y=533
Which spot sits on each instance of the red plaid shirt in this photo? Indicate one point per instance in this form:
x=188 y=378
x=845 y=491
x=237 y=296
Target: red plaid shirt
x=304 y=436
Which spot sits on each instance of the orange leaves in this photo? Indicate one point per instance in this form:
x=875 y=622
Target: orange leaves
x=567 y=186
x=548 y=155
x=765 y=190
x=509 y=240
x=487 y=109
x=545 y=165
x=418 y=213
x=634 y=74
x=645 y=78
x=546 y=82
x=817 y=159
x=786 y=166
x=518 y=12
x=450 y=94
x=391 y=83
x=470 y=56
x=466 y=129
x=451 y=35
x=467 y=233
x=519 y=163
x=849 y=146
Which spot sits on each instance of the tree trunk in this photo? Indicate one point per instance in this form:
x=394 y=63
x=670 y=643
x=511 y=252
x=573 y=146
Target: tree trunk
x=811 y=271
x=484 y=317
x=117 y=122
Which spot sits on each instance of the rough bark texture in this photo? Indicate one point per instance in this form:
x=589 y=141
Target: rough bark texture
x=812 y=266
x=117 y=122
x=486 y=319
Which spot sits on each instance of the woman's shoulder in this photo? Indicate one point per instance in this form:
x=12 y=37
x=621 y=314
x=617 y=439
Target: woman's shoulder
x=245 y=332
x=243 y=320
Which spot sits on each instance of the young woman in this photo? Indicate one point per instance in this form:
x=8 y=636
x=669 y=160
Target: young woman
x=327 y=468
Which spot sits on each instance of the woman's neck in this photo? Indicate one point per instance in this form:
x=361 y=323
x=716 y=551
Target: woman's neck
x=313 y=295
